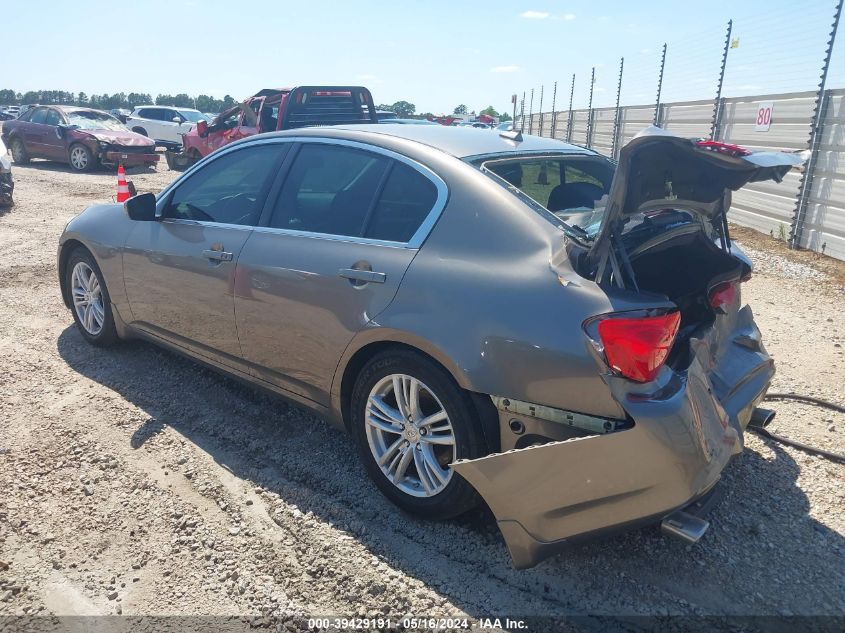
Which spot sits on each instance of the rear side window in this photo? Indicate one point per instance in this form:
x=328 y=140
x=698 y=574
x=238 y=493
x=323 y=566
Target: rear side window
x=406 y=200
x=52 y=118
x=337 y=190
x=329 y=189
x=144 y=113
x=230 y=189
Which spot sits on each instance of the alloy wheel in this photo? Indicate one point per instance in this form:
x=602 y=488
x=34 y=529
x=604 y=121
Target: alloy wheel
x=410 y=435
x=87 y=298
x=79 y=158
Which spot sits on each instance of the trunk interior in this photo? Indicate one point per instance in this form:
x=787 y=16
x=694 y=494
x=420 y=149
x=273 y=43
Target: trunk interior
x=685 y=268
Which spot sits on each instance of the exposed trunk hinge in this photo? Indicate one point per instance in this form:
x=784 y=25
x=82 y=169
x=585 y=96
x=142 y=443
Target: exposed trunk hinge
x=609 y=256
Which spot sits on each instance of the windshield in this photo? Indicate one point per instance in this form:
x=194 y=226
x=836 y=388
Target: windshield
x=569 y=191
x=90 y=120
x=191 y=115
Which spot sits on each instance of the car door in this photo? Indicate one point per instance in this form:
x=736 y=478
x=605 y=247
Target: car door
x=168 y=128
x=179 y=271
x=54 y=145
x=35 y=132
x=328 y=257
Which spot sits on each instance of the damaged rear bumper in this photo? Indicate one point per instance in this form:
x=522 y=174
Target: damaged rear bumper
x=687 y=427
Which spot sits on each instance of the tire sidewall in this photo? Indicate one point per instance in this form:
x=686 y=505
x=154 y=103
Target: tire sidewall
x=23 y=154
x=458 y=496
x=91 y=160
x=107 y=333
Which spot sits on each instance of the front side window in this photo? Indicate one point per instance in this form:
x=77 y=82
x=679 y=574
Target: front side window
x=39 y=115
x=330 y=190
x=228 y=190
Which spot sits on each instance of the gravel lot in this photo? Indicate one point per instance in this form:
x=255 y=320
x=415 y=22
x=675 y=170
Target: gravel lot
x=136 y=482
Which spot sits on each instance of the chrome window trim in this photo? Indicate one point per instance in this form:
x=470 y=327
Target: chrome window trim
x=417 y=238
x=222 y=225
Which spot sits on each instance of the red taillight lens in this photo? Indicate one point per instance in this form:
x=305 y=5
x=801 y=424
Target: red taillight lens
x=723 y=296
x=637 y=348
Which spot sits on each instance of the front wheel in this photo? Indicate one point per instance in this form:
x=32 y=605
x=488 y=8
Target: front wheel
x=89 y=297
x=81 y=158
x=411 y=422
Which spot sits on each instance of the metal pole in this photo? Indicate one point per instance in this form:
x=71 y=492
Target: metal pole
x=541 y=110
x=717 y=104
x=513 y=119
x=590 y=110
x=659 y=87
x=569 y=120
x=522 y=114
x=822 y=98
x=614 y=149
x=531 y=114
x=554 y=112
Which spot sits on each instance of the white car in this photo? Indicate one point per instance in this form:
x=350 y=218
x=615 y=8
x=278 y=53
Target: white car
x=163 y=123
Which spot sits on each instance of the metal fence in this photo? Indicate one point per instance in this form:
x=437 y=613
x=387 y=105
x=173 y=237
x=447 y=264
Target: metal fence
x=807 y=208
x=767 y=206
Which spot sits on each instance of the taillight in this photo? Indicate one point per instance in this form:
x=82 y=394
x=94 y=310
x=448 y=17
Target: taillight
x=722 y=296
x=638 y=347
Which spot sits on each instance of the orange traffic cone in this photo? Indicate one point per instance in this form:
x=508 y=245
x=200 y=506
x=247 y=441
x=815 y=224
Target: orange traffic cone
x=122 y=187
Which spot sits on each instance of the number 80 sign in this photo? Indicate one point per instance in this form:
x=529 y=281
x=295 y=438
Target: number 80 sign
x=764 y=116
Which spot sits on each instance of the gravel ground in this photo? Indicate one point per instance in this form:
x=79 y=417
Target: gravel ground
x=136 y=482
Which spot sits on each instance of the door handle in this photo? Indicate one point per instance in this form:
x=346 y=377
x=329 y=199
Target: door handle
x=218 y=256
x=365 y=276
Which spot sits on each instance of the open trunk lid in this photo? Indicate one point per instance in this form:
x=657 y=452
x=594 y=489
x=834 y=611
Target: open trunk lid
x=658 y=170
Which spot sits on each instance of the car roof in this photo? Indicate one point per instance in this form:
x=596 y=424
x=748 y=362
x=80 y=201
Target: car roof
x=461 y=142
x=68 y=109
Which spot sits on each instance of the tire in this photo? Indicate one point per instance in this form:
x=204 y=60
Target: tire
x=19 y=154
x=140 y=130
x=429 y=496
x=81 y=158
x=82 y=262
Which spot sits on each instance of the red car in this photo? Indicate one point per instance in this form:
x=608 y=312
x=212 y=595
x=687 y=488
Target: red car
x=276 y=109
x=82 y=137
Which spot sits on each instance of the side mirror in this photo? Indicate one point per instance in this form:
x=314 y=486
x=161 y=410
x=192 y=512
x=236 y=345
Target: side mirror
x=62 y=129
x=141 y=208
x=202 y=128
x=177 y=119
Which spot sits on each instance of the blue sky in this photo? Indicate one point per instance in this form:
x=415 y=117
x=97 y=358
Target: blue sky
x=434 y=54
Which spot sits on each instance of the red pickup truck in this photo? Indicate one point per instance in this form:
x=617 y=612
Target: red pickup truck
x=275 y=109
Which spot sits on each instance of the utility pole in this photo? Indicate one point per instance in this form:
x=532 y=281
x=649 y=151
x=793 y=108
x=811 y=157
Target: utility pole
x=554 y=112
x=590 y=110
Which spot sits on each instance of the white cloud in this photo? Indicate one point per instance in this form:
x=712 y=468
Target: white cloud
x=568 y=17
x=505 y=69
x=534 y=15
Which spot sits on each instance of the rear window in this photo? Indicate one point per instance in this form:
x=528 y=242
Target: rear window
x=568 y=189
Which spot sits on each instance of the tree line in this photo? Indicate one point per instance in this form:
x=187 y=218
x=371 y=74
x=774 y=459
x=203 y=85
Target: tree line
x=204 y=103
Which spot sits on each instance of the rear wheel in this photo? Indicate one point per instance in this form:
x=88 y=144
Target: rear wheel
x=411 y=422
x=19 y=153
x=90 y=301
x=81 y=158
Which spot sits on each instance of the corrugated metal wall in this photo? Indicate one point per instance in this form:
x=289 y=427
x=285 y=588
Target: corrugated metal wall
x=767 y=207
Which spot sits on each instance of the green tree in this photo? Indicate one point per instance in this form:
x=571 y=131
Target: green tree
x=504 y=116
x=82 y=99
x=31 y=96
x=8 y=97
x=490 y=111
x=403 y=109
x=461 y=109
